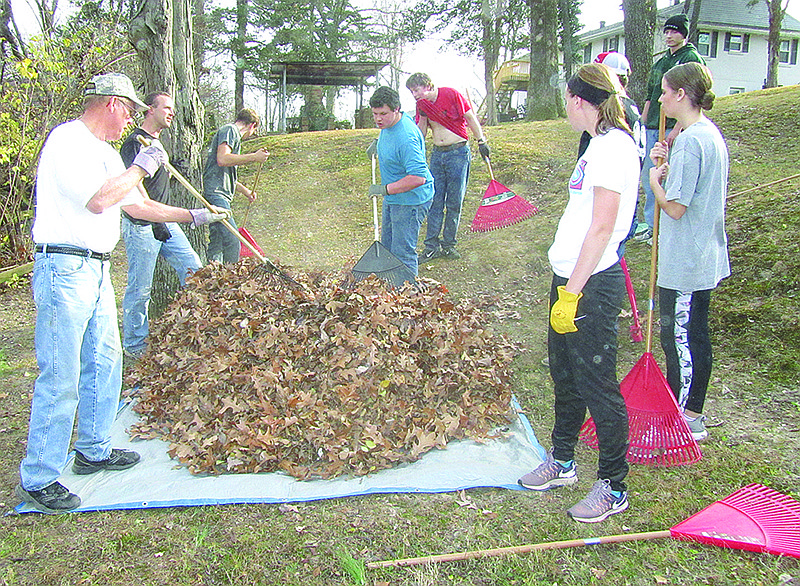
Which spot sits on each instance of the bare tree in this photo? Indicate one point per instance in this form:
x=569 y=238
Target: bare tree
x=544 y=96
x=776 y=14
x=640 y=27
x=692 y=9
x=161 y=32
x=10 y=41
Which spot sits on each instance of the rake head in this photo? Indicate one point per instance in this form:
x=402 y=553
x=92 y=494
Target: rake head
x=379 y=261
x=499 y=208
x=754 y=518
x=658 y=435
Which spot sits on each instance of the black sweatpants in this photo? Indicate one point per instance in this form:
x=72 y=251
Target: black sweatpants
x=583 y=366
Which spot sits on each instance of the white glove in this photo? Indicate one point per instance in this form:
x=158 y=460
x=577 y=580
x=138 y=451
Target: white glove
x=202 y=216
x=151 y=158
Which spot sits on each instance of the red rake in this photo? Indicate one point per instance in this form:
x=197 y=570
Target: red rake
x=754 y=518
x=500 y=207
x=658 y=435
x=636 y=327
x=246 y=250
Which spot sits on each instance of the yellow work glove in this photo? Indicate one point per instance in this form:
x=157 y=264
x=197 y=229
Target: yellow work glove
x=562 y=314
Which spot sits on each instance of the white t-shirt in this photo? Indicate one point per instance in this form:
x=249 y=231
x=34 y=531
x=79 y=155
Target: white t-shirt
x=610 y=161
x=73 y=166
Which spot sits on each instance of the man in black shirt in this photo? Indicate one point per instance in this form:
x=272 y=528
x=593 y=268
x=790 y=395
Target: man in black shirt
x=144 y=241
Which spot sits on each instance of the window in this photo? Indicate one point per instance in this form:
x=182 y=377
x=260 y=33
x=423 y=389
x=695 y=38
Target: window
x=783 y=52
x=788 y=52
x=707 y=43
x=587 y=53
x=735 y=90
x=737 y=43
x=611 y=43
x=704 y=44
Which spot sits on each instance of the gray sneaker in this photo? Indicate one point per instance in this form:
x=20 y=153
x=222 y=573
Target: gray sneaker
x=549 y=474
x=599 y=504
x=643 y=232
x=698 y=428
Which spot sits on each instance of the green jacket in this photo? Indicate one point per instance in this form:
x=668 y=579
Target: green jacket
x=686 y=54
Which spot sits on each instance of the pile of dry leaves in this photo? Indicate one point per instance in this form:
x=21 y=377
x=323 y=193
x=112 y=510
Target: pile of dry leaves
x=247 y=374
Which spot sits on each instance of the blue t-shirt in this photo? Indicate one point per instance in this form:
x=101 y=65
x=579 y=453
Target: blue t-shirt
x=401 y=152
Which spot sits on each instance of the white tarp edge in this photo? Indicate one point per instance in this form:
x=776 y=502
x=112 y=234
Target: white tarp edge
x=159 y=481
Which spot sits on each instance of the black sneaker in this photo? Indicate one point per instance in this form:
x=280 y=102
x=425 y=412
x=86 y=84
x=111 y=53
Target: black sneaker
x=428 y=254
x=450 y=254
x=51 y=499
x=118 y=460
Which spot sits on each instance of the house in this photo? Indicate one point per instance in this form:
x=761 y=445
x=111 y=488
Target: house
x=732 y=39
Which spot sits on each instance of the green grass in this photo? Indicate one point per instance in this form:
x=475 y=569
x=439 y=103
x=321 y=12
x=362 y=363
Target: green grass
x=313 y=213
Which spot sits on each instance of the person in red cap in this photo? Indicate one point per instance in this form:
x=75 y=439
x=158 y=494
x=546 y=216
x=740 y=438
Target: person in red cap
x=619 y=64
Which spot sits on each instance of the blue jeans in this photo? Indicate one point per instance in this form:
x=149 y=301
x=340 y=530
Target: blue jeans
x=400 y=230
x=80 y=365
x=649 y=199
x=222 y=245
x=450 y=170
x=143 y=250
x=583 y=366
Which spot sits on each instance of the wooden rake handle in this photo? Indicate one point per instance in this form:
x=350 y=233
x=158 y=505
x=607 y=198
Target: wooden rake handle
x=501 y=551
x=489 y=166
x=190 y=188
x=255 y=185
x=651 y=306
x=770 y=184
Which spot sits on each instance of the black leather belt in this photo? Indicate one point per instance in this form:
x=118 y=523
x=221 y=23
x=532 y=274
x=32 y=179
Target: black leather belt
x=73 y=250
x=450 y=147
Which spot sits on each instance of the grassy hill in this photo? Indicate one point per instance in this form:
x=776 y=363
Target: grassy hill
x=313 y=213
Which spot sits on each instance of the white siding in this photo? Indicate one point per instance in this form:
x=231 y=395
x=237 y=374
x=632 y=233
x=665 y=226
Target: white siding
x=730 y=69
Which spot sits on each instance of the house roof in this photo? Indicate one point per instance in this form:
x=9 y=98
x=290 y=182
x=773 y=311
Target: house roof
x=325 y=72
x=713 y=14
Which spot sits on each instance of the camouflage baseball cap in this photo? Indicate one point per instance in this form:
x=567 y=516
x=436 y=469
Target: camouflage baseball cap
x=114 y=84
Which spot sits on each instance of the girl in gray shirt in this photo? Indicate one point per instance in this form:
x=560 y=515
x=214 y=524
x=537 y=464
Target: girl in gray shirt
x=692 y=243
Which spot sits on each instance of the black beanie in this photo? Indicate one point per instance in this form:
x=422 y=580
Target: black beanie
x=679 y=23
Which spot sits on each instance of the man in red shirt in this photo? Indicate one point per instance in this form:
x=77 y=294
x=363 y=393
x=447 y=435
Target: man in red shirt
x=447 y=114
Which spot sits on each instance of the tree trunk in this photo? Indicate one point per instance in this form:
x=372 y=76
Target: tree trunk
x=239 y=66
x=161 y=32
x=640 y=26
x=199 y=20
x=544 y=100
x=8 y=32
x=491 y=51
x=693 y=11
x=774 y=41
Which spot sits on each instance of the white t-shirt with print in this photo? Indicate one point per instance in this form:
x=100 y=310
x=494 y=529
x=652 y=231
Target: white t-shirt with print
x=73 y=166
x=611 y=161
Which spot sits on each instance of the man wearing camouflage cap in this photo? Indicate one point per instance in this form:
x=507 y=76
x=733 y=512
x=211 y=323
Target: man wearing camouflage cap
x=81 y=185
